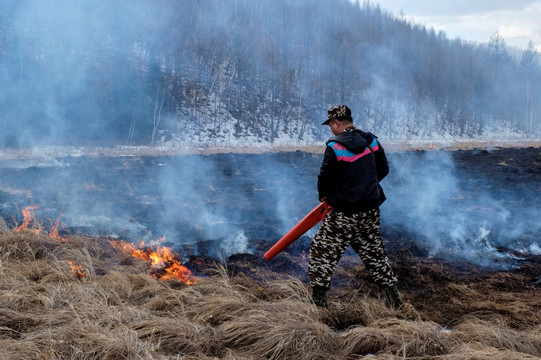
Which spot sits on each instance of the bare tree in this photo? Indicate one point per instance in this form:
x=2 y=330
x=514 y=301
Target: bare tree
x=157 y=112
x=529 y=66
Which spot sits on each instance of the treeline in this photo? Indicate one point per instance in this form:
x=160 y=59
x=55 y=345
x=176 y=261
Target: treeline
x=201 y=71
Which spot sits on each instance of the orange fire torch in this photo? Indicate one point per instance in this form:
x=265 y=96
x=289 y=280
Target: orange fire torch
x=309 y=221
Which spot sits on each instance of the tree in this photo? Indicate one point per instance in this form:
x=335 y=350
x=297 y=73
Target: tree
x=530 y=68
x=497 y=49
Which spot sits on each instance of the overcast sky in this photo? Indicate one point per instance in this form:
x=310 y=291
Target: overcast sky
x=519 y=21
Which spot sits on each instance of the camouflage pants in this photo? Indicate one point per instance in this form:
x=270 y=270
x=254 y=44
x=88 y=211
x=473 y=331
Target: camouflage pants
x=361 y=231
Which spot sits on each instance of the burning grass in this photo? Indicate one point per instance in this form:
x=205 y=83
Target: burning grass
x=106 y=305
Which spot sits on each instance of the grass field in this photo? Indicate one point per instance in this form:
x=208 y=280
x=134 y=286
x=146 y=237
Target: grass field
x=107 y=305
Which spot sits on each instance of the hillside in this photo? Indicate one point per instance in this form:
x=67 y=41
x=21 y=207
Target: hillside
x=234 y=73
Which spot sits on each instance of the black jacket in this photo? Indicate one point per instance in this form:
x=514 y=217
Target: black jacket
x=349 y=176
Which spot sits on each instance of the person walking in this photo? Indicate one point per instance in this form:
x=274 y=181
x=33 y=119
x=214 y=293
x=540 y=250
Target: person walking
x=353 y=165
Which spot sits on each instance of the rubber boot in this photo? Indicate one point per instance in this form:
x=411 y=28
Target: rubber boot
x=392 y=297
x=319 y=296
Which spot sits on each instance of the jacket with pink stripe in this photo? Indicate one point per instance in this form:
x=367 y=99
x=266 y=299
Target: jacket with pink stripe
x=351 y=170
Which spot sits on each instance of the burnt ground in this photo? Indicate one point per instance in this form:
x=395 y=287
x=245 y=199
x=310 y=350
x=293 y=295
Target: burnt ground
x=199 y=201
x=443 y=288
x=439 y=289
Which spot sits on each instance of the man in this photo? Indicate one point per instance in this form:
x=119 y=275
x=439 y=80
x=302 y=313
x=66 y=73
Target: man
x=348 y=181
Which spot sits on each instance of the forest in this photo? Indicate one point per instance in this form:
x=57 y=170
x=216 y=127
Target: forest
x=238 y=72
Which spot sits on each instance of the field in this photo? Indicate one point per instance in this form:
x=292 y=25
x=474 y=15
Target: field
x=111 y=308
x=105 y=303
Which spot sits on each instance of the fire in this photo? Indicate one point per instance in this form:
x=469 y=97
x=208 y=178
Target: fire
x=78 y=270
x=28 y=219
x=164 y=263
x=53 y=233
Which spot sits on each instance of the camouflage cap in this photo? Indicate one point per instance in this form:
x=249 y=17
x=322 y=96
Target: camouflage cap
x=341 y=112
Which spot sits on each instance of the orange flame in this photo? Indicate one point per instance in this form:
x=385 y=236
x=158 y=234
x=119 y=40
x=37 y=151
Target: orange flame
x=78 y=270
x=164 y=263
x=28 y=215
x=53 y=233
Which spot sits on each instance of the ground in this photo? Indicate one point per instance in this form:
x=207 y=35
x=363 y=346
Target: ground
x=244 y=307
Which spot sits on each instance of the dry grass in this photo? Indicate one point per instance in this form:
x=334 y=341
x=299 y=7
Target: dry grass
x=118 y=311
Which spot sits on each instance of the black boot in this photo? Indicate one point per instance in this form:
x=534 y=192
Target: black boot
x=392 y=297
x=319 y=296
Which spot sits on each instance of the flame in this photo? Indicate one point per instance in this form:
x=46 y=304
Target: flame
x=78 y=270
x=164 y=263
x=53 y=233
x=29 y=218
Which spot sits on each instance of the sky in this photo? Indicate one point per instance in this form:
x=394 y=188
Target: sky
x=518 y=21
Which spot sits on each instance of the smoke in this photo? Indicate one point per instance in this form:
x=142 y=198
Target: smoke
x=71 y=70
x=98 y=72
x=455 y=213
x=225 y=200
x=449 y=203
x=117 y=72
x=197 y=201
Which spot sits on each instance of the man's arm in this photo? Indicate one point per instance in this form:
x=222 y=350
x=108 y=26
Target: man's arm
x=324 y=179
x=382 y=165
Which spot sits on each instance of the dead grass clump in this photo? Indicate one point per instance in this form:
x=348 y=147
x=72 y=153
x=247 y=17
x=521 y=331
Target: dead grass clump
x=176 y=336
x=116 y=287
x=399 y=337
x=25 y=246
x=362 y=310
x=495 y=334
x=88 y=340
x=14 y=323
x=140 y=287
x=469 y=352
x=21 y=350
x=42 y=271
x=218 y=310
x=516 y=309
x=165 y=302
x=96 y=254
x=289 y=288
x=25 y=298
x=282 y=330
x=217 y=300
